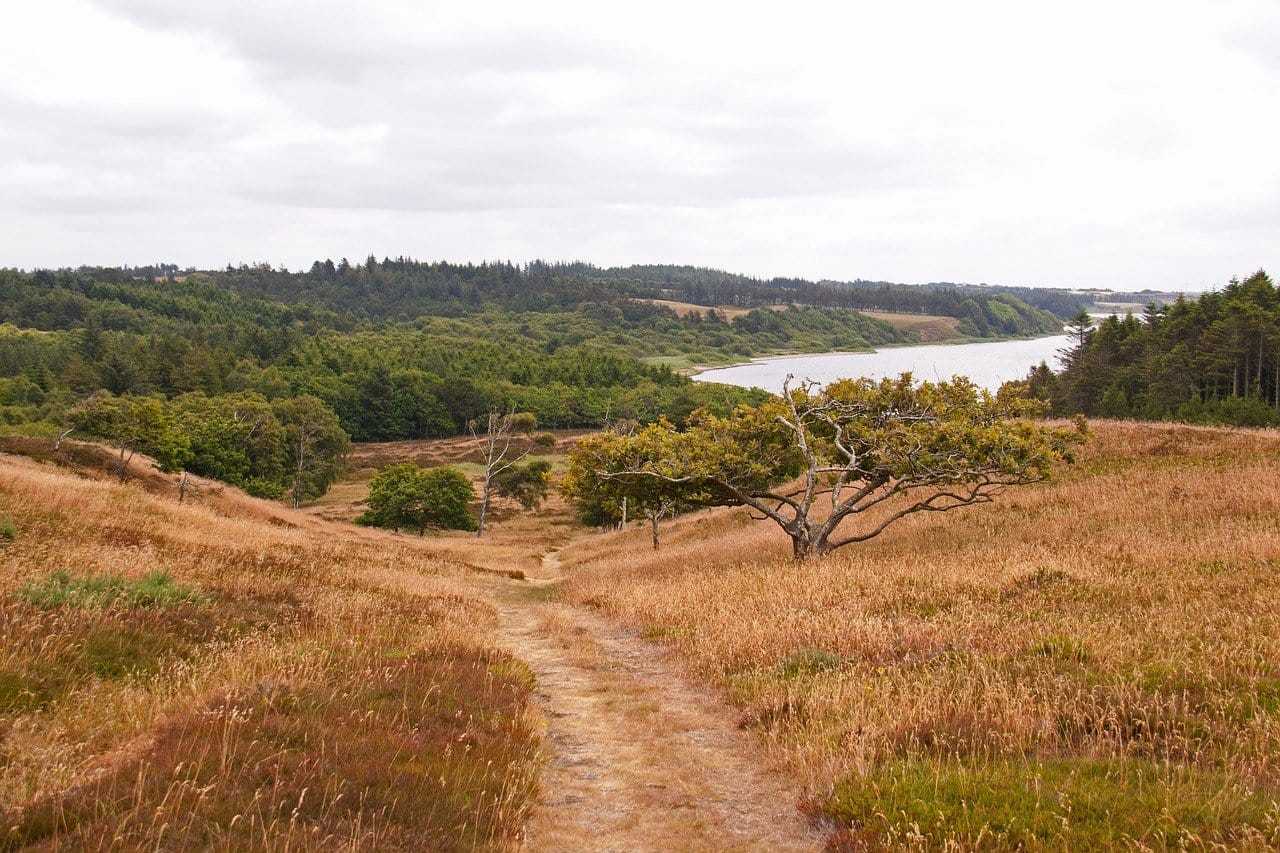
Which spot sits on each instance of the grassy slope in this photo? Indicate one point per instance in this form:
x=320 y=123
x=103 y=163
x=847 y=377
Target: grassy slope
x=295 y=684
x=1092 y=662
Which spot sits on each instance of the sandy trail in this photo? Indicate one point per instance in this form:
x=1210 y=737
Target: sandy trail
x=640 y=758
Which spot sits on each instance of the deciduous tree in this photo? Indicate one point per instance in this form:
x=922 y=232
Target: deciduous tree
x=406 y=496
x=316 y=445
x=839 y=465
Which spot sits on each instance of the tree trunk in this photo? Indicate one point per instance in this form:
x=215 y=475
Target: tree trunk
x=806 y=543
x=484 y=508
x=801 y=543
x=653 y=521
x=297 y=474
x=122 y=467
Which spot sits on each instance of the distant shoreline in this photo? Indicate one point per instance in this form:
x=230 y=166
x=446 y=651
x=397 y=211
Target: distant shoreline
x=699 y=369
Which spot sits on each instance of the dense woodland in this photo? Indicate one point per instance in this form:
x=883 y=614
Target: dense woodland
x=406 y=289
x=1215 y=359
x=400 y=349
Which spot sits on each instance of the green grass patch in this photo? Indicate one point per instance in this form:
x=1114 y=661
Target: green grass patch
x=807 y=662
x=1062 y=648
x=20 y=692
x=1070 y=803
x=8 y=531
x=62 y=589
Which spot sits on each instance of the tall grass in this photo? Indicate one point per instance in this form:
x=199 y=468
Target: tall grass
x=285 y=683
x=1092 y=662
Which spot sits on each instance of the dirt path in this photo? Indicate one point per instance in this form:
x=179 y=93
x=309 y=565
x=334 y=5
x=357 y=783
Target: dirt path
x=640 y=759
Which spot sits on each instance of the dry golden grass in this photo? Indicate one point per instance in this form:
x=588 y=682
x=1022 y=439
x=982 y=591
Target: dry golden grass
x=928 y=328
x=684 y=309
x=1091 y=662
x=329 y=687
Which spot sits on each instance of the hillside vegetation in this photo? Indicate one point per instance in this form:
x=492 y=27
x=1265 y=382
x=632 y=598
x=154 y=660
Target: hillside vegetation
x=1213 y=359
x=1087 y=663
x=404 y=350
x=230 y=674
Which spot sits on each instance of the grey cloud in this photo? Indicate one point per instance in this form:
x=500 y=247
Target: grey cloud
x=348 y=128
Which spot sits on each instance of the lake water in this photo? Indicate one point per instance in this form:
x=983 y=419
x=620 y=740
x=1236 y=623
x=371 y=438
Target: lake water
x=988 y=364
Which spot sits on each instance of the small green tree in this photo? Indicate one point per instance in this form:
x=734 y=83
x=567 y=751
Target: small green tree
x=236 y=438
x=528 y=483
x=405 y=496
x=315 y=444
x=599 y=484
x=134 y=425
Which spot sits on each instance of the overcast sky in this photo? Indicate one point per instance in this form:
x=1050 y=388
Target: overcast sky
x=1122 y=144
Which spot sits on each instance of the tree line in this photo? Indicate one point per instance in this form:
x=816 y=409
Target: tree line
x=404 y=288
x=389 y=349
x=1214 y=359
x=292 y=446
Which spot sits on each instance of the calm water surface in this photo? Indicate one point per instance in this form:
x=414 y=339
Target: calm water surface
x=987 y=364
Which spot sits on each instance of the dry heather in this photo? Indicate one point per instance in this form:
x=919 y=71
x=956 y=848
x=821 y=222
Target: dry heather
x=285 y=684
x=1090 y=662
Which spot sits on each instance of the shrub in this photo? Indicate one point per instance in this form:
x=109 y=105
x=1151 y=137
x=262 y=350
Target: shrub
x=524 y=422
x=61 y=589
x=1231 y=411
x=406 y=496
x=544 y=439
x=8 y=532
x=527 y=483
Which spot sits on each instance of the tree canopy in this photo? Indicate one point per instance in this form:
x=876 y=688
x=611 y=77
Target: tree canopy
x=405 y=496
x=876 y=451
x=1215 y=359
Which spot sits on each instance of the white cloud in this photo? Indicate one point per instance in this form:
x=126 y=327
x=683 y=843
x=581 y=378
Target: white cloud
x=1094 y=143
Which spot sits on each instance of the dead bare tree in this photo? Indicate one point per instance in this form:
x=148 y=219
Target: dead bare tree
x=496 y=454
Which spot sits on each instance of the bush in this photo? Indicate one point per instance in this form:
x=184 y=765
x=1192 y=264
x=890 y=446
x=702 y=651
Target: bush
x=526 y=483
x=1231 y=411
x=524 y=422
x=544 y=439
x=406 y=496
x=8 y=531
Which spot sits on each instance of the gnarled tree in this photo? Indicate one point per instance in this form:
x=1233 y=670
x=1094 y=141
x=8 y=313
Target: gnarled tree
x=840 y=464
